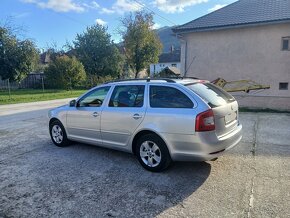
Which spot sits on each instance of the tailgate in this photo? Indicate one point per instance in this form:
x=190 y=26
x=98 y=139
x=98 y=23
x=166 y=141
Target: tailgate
x=226 y=118
x=224 y=106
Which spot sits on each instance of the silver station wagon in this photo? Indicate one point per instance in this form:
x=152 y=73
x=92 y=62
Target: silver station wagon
x=158 y=120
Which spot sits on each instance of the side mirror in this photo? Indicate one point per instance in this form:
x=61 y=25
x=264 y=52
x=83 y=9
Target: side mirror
x=72 y=103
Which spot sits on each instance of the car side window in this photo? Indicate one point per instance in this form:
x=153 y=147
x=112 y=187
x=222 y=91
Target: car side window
x=168 y=97
x=127 y=96
x=94 y=98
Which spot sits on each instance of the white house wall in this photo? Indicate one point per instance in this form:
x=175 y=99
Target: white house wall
x=246 y=53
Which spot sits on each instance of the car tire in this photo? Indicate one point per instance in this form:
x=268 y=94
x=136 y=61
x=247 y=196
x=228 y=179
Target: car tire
x=152 y=153
x=58 y=134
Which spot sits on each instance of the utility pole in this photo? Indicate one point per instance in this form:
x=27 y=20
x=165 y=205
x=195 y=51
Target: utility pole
x=70 y=85
x=42 y=82
x=9 y=89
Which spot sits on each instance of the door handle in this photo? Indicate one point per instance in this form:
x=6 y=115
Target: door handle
x=137 y=116
x=95 y=114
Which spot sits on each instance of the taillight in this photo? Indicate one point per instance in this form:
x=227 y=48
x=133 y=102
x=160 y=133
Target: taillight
x=205 y=121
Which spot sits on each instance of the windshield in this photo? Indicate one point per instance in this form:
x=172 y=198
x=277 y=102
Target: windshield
x=213 y=95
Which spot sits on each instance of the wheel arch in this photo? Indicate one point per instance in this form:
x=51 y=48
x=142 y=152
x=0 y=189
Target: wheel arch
x=145 y=132
x=54 y=119
x=65 y=140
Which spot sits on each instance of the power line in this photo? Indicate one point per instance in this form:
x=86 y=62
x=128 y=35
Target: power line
x=70 y=18
x=155 y=13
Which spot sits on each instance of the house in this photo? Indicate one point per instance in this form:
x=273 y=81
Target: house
x=45 y=58
x=169 y=72
x=170 y=59
x=249 y=39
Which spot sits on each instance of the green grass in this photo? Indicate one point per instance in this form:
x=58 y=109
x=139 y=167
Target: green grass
x=32 y=95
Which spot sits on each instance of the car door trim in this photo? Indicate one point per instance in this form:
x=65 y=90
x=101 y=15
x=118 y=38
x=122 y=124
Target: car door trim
x=115 y=132
x=93 y=130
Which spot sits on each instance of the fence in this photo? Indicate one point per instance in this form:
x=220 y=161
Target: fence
x=39 y=81
x=33 y=80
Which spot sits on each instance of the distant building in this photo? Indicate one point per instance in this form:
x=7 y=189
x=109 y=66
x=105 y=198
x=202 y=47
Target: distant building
x=249 y=39
x=169 y=72
x=45 y=58
x=171 y=59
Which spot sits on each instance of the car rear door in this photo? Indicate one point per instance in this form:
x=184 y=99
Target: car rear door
x=170 y=110
x=123 y=114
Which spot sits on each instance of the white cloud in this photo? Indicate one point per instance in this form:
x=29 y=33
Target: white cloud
x=57 y=5
x=172 y=6
x=156 y=26
x=95 y=4
x=101 y=22
x=107 y=11
x=122 y=6
x=216 y=7
x=92 y=5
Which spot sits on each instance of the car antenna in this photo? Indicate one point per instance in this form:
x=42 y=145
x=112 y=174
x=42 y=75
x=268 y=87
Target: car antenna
x=189 y=66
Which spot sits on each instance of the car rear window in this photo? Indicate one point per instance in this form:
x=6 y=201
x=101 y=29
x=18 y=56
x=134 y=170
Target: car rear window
x=168 y=97
x=213 y=95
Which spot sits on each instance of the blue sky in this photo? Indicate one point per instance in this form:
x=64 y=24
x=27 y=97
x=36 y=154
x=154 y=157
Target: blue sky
x=58 y=21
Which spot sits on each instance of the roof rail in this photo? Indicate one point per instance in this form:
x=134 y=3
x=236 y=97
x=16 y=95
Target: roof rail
x=169 y=80
x=183 y=77
x=189 y=77
x=147 y=80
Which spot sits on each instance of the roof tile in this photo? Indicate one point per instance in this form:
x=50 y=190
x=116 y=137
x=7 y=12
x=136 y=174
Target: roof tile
x=242 y=12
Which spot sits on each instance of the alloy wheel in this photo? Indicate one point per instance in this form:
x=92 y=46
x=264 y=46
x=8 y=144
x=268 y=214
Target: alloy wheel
x=150 y=153
x=57 y=134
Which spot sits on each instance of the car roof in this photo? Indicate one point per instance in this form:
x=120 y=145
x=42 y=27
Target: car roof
x=181 y=80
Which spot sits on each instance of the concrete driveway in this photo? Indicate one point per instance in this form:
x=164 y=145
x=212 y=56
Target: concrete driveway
x=38 y=179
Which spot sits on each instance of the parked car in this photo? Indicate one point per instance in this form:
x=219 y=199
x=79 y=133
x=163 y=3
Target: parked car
x=158 y=120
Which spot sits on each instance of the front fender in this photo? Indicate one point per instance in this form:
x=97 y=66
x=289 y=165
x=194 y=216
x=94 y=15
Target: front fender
x=58 y=113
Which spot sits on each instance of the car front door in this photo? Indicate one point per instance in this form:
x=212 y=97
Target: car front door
x=84 y=120
x=122 y=116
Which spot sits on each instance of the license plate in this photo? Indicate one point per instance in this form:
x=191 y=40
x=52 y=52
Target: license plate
x=230 y=117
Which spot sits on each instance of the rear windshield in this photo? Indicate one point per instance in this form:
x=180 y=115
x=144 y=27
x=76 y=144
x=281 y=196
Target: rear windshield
x=213 y=95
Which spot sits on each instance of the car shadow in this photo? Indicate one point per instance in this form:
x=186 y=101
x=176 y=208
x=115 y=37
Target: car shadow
x=84 y=180
x=103 y=182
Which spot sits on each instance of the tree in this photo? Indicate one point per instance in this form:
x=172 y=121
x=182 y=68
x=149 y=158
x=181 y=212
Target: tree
x=97 y=52
x=141 y=44
x=17 y=57
x=65 y=72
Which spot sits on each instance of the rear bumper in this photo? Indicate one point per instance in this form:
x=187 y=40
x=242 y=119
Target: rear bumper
x=202 y=146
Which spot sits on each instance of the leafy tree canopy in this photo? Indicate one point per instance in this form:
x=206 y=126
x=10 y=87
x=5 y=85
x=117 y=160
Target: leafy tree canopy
x=17 y=57
x=97 y=52
x=65 y=72
x=141 y=44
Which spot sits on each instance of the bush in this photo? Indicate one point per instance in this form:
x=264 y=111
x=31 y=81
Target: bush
x=65 y=73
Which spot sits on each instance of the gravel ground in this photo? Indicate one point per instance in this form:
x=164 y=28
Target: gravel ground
x=38 y=179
